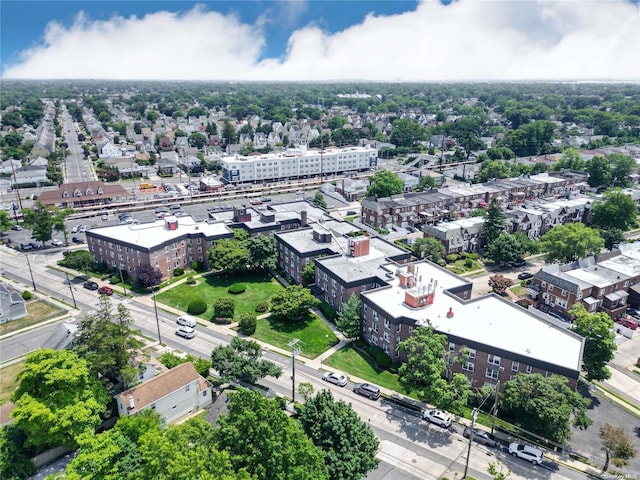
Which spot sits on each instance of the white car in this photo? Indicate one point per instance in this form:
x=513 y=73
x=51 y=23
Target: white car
x=438 y=417
x=335 y=378
x=57 y=243
x=186 y=332
x=526 y=452
x=75 y=229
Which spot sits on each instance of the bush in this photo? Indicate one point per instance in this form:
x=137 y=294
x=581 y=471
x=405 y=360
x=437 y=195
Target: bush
x=114 y=280
x=178 y=271
x=223 y=308
x=197 y=266
x=191 y=280
x=468 y=263
x=361 y=343
x=383 y=360
x=26 y=295
x=452 y=257
x=248 y=323
x=473 y=256
x=197 y=307
x=328 y=311
x=262 y=307
x=237 y=288
x=394 y=367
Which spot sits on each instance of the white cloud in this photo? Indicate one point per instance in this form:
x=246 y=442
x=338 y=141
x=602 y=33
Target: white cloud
x=466 y=40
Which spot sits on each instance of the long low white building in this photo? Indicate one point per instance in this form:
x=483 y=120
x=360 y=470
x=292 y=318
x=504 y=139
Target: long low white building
x=297 y=163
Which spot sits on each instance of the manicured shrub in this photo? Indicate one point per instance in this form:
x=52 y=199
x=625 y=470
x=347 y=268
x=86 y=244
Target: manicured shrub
x=197 y=307
x=178 y=271
x=383 y=360
x=115 y=279
x=223 y=308
x=262 y=307
x=26 y=295
x=452 y=257
x=247 y=323
x=473 y=256
x=361 y=343
x=328 y=311
x=468 y=263
x=237 y=288
x=190 y=280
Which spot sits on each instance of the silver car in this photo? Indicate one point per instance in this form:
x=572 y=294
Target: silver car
x=335 y=378
x=186 y=332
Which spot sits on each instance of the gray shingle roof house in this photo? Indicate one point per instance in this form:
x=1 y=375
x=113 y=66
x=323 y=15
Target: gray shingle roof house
x=12 y=305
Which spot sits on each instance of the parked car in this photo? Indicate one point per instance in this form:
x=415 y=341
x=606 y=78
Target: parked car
x=438 y=417
x=256 y=202
x=480 y=436
x=82 y=229
x=351 y=212
x=104 y=217
x=89 y=285
x=367 y=390
x=187 y=321
x=75 y=229
x=518 y=263
x=25 y=246
x=525 y=276
x=105 y=291
x=186 y=332
x=57 y=243
x=175 y=207
x=16 y=227
x=35 y=245
x=77 y=240
x=335 y=378
x=527 y=452
x=628 y=322
x=633 y=312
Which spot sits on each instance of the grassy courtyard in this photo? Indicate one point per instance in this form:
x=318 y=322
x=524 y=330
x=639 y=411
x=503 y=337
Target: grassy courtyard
x=315 y=337
x=260 y=288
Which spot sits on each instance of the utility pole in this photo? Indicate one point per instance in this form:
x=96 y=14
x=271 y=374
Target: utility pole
x=155 y=307
x=294 y=351
x=474 y=415
x=31 y=273
x=123 y=285
x=73 y=297
x=494 y=409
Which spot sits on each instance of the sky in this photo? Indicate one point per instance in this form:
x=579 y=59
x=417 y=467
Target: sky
x=322 y=40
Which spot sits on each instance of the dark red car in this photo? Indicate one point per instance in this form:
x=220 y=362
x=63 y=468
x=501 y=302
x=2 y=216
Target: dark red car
x=105 y=291
x=628 y=322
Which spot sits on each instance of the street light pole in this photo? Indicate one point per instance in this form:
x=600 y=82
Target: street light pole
x=294 y=351
x=31 y=273
x=474 y=415
x=155 y=307
x=123 y=285
x=73 y=297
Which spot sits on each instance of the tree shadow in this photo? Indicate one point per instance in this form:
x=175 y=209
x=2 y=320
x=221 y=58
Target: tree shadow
x=284 y=326
x=585 y=391
x=636 y=430
x=409 y=421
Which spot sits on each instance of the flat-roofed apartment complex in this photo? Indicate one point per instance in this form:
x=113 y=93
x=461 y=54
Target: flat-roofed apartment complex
x=297 y=163
x=501 y=338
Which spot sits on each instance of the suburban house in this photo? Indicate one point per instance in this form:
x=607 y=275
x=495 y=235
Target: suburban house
x=107 y=149
x=173 y=394
x=83 y=194
x=12 y=305
x=30 y=174
x=464 y=235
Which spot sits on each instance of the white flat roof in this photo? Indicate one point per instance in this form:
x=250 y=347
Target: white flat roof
x=149 y=235
x=487 y=320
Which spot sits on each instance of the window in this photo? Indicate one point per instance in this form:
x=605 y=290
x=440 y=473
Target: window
x=515 y=366
x=387 y=323
x=471 y=352
x=529 y=369
x=187 y=388
x=493 y=360
x=375 y=315
x=468 y=366
x=386 y=337
x=492 y=373
x=452 y=346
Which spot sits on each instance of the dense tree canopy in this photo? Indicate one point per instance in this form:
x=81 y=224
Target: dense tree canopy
x=241 y=361
x=262 y=251
x=384 y=183
x=43 y=220
x=615 y=210
x=228 y=255
x=617 y=445
x=505 y=248
x=293 y=303
x=600 y=345
x=5 y=221
x=569 y=242
x=429 y=248
x=406 y=132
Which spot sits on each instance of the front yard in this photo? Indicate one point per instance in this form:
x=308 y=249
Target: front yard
x=37 y=312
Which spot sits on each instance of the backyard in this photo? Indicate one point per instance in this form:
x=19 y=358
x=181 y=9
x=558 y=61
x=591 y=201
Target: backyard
x=260 y=287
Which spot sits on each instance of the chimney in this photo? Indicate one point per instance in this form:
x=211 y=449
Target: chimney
x=171 y=222
x=132 y=404
x=303 y=218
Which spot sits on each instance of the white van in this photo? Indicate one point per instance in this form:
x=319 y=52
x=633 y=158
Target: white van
x=187 y=321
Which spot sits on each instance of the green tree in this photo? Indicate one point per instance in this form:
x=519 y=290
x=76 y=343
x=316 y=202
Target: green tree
x=348 y=443
x=40 y=221
x=599 y=345
x=293 y=303
x=570 y=242
x=266 y=442
x=197 y=140
x=426 y=182
x=466 y=131
x=494 y=222
x=505 y=248
x=622 y=166
x=570 y=160
x=615 y=210
x=152 y=116
x=224 y=307
x=263 y=252
x=318 y=200
x=59 y=217
x=429 y=248
x=599 y=170
x=384 y=183
x=336 y=122
x=15 y=462
x=80 y=260
x=229 y=134
x=546 y=406
x=617 y=445
x=5 y=221
x=348 y=320
x=240 y=361
x=107 y=341
x=425 y=369
x=212 y=129
x=309 y=273
x=58 y=399
x=612 y=238
x=247 y=323
x=229 y=256
x=406 y=132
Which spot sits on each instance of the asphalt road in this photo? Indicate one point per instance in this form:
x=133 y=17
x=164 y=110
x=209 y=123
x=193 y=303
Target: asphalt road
x=77 y=169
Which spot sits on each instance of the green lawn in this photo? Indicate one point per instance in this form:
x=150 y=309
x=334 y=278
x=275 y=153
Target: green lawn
x=350 y=361
x=315 y=337
x=37 y=312
x=260 y=288
x=9 y=381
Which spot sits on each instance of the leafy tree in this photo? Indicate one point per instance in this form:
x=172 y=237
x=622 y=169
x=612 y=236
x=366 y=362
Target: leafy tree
x=170 y=360
x=59 y=217
x=309 y=273
x=498 y=471
x=499 y=283
x=5 y=221
x=263 y=252
x=212 y=129
x=15 y=463
x=79 y=260
x=147 y=277
x=152 y=116
x=230 y=256
x=599 y=170
x=229 y=134
x=570 y=242
x=58 y=399
x=544 y=405
x=241 y=361
x=494 y=222
x=406 y=132
x=293 y=303
x=617 y=445
x=318 y=200
x=467 y=131
x=223 y=307
x=426 y=182
x=612 y=238
x=505 y=248
x=198 y=140
x=336 y=122
x=348 y=443
x=570 y=160
x=428 y=248
x=266 y=442
x=425 y=368
x=40 y=220
x=384 y=183
x=621 y=167
x=615 y=210
x=599 y=346
x=348 y=321
x=107 y=341
x=247 y=323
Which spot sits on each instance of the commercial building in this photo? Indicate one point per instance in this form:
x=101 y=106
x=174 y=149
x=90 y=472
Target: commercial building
x=297 y=163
